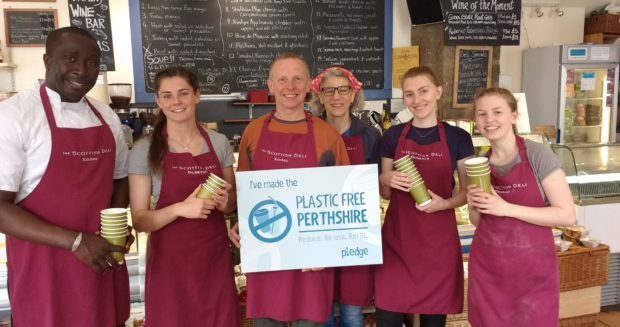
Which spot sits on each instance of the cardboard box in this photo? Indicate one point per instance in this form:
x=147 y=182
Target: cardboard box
x=580 y=302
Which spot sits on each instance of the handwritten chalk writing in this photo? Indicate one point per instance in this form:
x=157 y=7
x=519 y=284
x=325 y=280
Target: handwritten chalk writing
x=472 y=73
x=29 y=27
x=482 y=22
x=94 y=16
x=244 y=36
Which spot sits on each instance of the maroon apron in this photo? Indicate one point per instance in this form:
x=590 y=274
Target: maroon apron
x=513 y=271
x=290 y=294
x=422 y=269
x=189 y=271
x=50 y=286
x=355 y=149
x=354 y=285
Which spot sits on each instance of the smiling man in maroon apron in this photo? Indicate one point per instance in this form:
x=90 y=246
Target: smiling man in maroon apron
x=64 y=160
x=336 y=95
x=304 y=298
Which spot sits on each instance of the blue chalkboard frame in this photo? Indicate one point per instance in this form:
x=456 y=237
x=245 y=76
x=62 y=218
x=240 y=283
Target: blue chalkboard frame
x=138 y=65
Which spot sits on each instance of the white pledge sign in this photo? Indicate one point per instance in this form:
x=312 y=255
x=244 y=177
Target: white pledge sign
x=309 y=218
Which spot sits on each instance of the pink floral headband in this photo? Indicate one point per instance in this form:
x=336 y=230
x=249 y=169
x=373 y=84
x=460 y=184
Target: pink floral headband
x=316 y=82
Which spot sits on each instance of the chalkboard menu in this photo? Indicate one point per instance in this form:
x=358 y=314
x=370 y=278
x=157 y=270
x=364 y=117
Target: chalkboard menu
x=472 y=72
x=28 y=27
x=231 y=43
x=94 y=16
x=481 y=22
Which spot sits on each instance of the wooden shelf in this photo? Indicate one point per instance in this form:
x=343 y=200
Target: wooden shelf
x=600 y=38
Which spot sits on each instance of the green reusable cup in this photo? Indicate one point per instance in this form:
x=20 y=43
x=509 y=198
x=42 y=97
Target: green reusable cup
x=119 y=241
x=113 y=212
x=215 y=181
x=478 y=171
x=420 y=194
x=476 y=162
x=481 y=180
x=205 y=192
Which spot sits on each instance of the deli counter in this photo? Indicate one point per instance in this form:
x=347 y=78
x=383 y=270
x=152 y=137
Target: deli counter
x=593 y=175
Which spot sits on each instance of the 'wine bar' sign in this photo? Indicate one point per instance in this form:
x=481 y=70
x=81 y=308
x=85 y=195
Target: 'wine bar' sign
x=94 y=16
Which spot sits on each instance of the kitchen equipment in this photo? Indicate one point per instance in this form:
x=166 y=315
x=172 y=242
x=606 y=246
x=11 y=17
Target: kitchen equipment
x=575 y=89
x=120 y=96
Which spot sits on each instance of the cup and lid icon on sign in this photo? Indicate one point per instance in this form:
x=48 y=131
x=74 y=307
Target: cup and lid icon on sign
x=270 y=220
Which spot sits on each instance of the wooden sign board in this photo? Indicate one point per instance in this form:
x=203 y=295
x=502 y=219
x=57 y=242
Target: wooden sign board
x=28 y=27
x=473 y=66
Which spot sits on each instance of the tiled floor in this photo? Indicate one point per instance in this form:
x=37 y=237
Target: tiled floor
x=609 y=316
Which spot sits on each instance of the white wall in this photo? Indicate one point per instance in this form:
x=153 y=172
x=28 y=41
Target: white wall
x=29 y=61
x=550 y=29
x=535 y=32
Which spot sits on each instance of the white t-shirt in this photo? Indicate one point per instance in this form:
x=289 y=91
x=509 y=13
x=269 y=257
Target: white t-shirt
x=25 y=138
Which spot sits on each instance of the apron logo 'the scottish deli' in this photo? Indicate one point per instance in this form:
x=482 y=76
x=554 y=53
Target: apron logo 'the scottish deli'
x=88 y=155
x=423 y=156
x=194 y=169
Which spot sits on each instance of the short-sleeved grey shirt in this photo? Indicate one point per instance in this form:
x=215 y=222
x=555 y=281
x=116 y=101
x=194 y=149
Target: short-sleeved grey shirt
x=542 y=160
x=139 y=163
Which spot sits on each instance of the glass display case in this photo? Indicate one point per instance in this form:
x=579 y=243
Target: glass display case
x=592 y=171
x=589 y=105
x=575 y=89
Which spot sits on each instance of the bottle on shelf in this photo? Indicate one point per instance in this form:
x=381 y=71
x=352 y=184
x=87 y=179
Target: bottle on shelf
x=386 y=116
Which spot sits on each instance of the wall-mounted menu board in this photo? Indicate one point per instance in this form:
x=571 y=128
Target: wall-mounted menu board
x=94 y=16
x=231 y=43
x=472 y=71
x=481 y=22
x=28 y=27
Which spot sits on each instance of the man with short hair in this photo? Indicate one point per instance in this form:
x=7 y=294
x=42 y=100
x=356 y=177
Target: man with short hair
x=289 y=138
x=64 y=158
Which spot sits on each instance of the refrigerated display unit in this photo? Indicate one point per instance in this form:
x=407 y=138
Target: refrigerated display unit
x=593 y=175
x=573 y=88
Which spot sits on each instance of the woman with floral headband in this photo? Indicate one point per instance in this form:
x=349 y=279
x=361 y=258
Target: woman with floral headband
x=336 y=94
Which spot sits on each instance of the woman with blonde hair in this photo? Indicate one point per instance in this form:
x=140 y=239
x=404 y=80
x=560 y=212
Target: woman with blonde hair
x=422 y=270
x=513 y=271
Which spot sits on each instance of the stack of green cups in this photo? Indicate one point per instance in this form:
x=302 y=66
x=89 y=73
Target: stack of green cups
x=114 y=229
x=479 y=173
x=208 y=188
x=418 y=188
